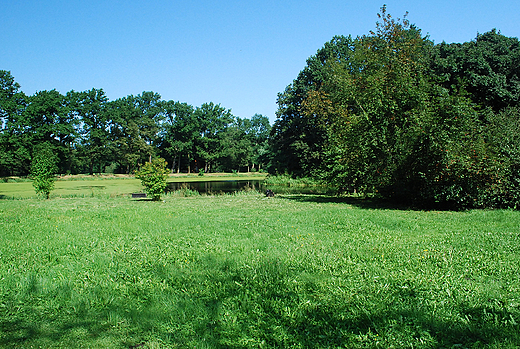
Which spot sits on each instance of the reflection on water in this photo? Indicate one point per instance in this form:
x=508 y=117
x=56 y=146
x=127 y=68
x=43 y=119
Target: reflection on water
x=230 y=186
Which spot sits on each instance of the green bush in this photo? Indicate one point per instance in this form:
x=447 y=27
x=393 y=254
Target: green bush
x=153 y=176
x=43 y=170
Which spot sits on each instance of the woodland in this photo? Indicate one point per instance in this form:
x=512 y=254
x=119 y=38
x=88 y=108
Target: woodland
x=390 y=114
x=91 y=134
x=395 y=115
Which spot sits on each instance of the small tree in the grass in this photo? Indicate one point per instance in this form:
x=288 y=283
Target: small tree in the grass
x=153 y=177
x=43 y=170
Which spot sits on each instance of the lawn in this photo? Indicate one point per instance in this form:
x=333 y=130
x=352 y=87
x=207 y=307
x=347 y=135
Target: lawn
x=246 y=271
x=111 y=186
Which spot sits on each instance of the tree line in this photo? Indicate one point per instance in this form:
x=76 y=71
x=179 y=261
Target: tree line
x=395 y=115
x=389 y=114
x=90 y=134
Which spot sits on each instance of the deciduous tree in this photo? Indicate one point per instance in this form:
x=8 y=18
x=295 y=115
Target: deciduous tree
x=153 y=176
x=43 y=169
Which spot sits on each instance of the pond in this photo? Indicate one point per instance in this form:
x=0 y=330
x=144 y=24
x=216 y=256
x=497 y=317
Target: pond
x=208 y=187
x=230 y=186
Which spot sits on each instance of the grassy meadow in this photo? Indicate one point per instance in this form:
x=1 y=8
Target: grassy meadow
x=246 y=271
x=111 y=185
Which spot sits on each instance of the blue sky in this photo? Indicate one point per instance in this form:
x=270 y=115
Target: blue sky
x=239 y=54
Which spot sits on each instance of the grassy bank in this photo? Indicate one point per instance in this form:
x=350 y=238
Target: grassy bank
x=245 y=271
x=110 y=186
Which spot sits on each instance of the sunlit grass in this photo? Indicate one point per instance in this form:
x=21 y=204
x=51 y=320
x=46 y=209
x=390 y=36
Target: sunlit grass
x=246 y=271
x=84 y=186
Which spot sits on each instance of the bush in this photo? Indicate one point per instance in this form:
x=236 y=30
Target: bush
x=43 y=170
x=153 y=177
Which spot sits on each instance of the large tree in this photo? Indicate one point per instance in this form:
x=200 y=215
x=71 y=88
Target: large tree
x=135 y=128
x=212 y=120
x=297 y=139
x=371 y=105
x=388 y=123
x=15 y=153
x=179 y=132
x=94 y=129
x=48 y=118
x=486 y=69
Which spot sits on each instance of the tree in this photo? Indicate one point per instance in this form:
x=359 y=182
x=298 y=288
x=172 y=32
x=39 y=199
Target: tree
x=135 y=128
x=487 y=69
x=371 y=105
x=15 y=152
x=179 y=132
x=212 y=120
x=153 y=176
x=236 y=146
x=297 y=138
x=259 y=132
x=49 y=118
x=43 y=170
x=94 y=128
x=400 y=118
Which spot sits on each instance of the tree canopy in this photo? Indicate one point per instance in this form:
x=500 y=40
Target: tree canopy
x=91 y=134
x=389 y=113
x=394 y=115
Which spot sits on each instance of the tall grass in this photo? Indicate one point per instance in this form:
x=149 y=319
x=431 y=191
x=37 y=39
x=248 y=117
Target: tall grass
x=246 y=271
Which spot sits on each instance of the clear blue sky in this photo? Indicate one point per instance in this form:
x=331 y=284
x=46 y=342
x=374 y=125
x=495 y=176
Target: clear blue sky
x=239 y=54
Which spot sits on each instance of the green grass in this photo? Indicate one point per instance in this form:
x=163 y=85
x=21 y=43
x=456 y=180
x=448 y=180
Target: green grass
x=246 y=271
x=84 y=186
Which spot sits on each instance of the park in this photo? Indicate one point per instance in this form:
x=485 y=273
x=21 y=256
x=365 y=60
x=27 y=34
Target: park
x=380 y=210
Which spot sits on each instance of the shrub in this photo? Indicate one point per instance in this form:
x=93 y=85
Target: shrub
x=153 y=177
x=43 y=170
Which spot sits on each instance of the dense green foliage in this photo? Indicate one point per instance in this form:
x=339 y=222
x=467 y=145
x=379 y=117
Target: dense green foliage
x=389 y=113
x=43 y=170
x=91 y=134
x=153 y=176
x=393 y=114
x=246 y=271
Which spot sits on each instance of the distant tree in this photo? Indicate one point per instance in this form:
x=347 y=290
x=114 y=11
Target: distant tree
x=48 y=118
x=153 y=176
x=259 y=131
x=15 y=152
x=212 y=120
x=180 y=129
x=236 y=146
x=43 y=170
x=486 y=70
x=135 y=128
x=94 y=129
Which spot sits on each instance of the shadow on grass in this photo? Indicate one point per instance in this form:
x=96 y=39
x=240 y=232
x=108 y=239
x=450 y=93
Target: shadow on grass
x=72 y=330
x=83 y=187
x=366 y=203
x=402 y=327
x=307 y=316
x=269 y=303
x=361 y=202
